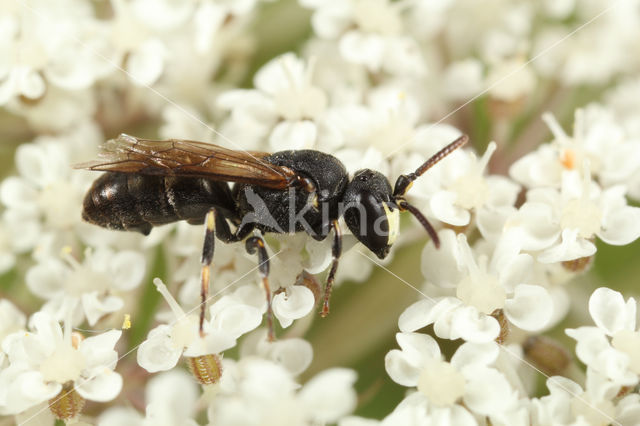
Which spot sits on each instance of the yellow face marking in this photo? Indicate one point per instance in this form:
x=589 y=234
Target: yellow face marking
x=393 y=219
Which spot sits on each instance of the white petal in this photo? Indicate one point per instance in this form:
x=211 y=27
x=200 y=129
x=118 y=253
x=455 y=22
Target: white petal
x=319 y=255
x=535 y=225
x=400 y=370
x=293 y=135
x=487 y=391
x=161 y=16
x=491 y=221
x=330 y=22
x=46 y=279
x=403 y=56
x=562 y=385
x=116 y=416
x=463 y=79
x=475 y=353
x=361 y=48
x=417 y=347
x=357 y=421
x=127 y=269
x=628 y=409
x=417 y=315
x=281 y=73
x=610 y=312
x=294 y=354
x=472 y=326
x=530 y=308
x=158 y=353
x=102 y=385
x=236 y=318
x=95 y=308
x=615 y=365
x=412 y=411
x=146 y=63
x=591 y=342
x=214 y=342
x=454 y=416
x=571 y=247
x=43 y=164
x=69 y=67
x=173 y=396
x=443 y=206
x=18 y=193
x=442 y=266
x=249 y=104
x=295 y=303
x=99 y=350
x=620 y=222
x=404 y=366
x=8 y=86
x=511 y=266
x=48 y=331
x=330 y=395
x=29 y=389
x=31 y=84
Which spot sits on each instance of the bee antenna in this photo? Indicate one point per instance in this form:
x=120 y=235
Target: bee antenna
x=404 y=181
x=404 y=205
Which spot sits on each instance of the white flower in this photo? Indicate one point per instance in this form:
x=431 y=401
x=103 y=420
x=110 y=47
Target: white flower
x=468 y=379
x=44 y=202
x=41 y=362
x=482 y=286
x=254 y=391
x=370 y=33
x=612 y=348
x=170 y=400
x=133 y=38
x=464 y=189
x=563 y=224
x=97 y=283
x=597 y=137
x=39 y=44
x=569 y=404
x=230 y=318
x=285 y=107
x=294 y=354
x=511 y=80
x=463 y=79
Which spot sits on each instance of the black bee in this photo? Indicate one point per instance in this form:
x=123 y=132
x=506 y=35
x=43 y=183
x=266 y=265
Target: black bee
x=150 y=183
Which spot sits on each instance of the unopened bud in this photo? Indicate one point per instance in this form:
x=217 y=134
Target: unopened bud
x=547 y=354
x=580 y=264
x=504 y=325
x=67 y=404
x=207 y=369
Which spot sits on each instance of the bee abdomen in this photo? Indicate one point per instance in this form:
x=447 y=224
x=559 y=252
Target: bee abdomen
x=110 y=204
x=132 y=202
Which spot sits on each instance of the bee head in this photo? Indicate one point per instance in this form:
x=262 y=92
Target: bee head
x=370 y=211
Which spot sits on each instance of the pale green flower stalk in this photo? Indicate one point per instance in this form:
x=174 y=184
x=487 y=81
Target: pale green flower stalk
x=480 y=328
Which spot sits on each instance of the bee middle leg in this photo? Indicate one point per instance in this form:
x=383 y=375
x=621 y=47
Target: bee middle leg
x=336 y=251
x=256 y=244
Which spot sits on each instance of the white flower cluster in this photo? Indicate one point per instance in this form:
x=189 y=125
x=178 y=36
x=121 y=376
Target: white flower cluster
x=379 y=84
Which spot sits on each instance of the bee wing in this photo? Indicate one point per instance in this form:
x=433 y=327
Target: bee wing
x=178 y=157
